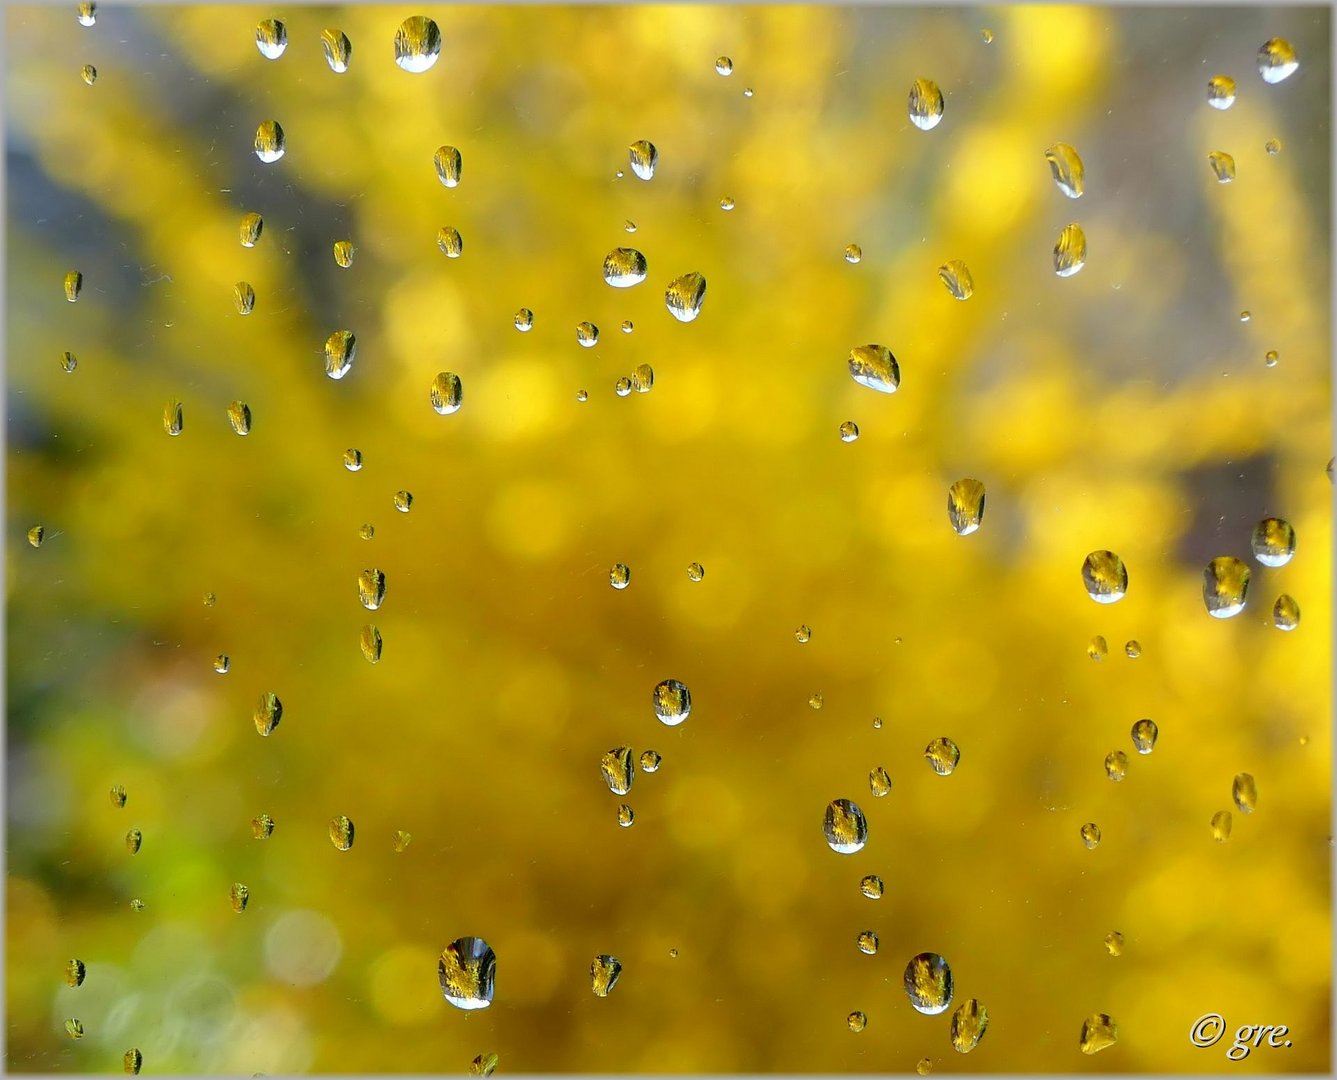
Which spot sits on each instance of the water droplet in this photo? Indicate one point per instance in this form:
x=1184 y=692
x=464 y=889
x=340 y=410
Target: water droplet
x=969 y=1023
x=723 y=66
x=879 y=782
x=587 y=334
x=856 y=1021
x=262 y=827
x=1225 y=586
x=624 y=267
x=849 y=431
x=1145 y=733
x=957 y=277
x=816 y=701
x=928 y=983
x=1070 y=250
x=270 y=145
x=630 y=226
x=1116 y=765
x=1098 y=649
x=240 y=897
x=650 y=761
x=644 y=158
x=450 y=242
x=447 y=394
x=239 y=416
x=1090 y=833
x=173 y=419
x=626 y=816
x=244 y=297
x=1098 y=1032
x=627 y=326
x=268 y=713
x=672 y=702
x=221 y=663
x=1270 y=358
x=845 y=827
x=1105 y=577
x=924 y=1066
x=1222 y=823
x=965 y=506
x=873 y=366
x=1132 y=649
x=68 y=361
x=344 y=252
x=252 y=225
x=74 y=1028
x=134 y=840
x=1277 y=60
x=86 y=13
x=417 y=44
x=604 y=973
x=75 y=970
x=1272 y=146
x=642 y=378
x=484 y=1065
x=74 y=282
x=943 y=754
x=987 y=35
x=1065 y=164
x=727 y=203
x=449 y=163
x=524 y=320
x=1245 y=316
x=401 y=840
x=369 y=640
x=341 y=832
x=132 y=1061
x=685 y=295
x=695 y=571
x=352 y=459
x=210 y=599
x=36 y=535
x=853 y=254
x=617 y=768
x=467 y=972
x=619 y=576
x=747 y=92
x=118 y=797
x=1114 y=943
x=1285 y=612
x=340 y=352
x=88 y=73
x=1244 y=791
x=582 y=395
x=338 y=50
x=371 y=589
x=271 y=38
x=1329 y=469
x=871 y=887
x=1220 y=91
x=867 y=942
x=925 y=104
x=1273 y=541
x=1223 y=165
x=137 y=904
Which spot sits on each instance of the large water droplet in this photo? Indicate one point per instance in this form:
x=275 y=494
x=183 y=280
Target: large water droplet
x=1145 y=733
x=403 y=501
x=449 y=163
x=271 y=38
x=132 y=1061
x=338 y=50
x=86 y=13
x=1285 y=612
x=1277 y=60
x=270 y=144
x=672 y=702
x=1221 y=824
x=925 y=104
x=417 y=44
x=239 y=416
x=1244 y=790
x=1105 y=577
x=1273 y=541
x=240 y=896
x=340 y=352
x=467 y=972
x=604 y=973
x=644 y=158
x=1132 y=648
x=74 y=282
x=243 y=296
x=871 y=887
x=451 y=243
x=1225 y=586
x=447 y=393
x=1070 y=250
x=1090 y=833
x=723 y=66
x=943 y=754
x=1065 y=164
x=173 y=418
x=268 y=713
x=1098 y=1032
x=617 y=768
x=965 y=506
x=1116 y=765
x=867 y=942
x=928 y=983
x=1223 y=165
x=845 y=827
x=956 y=275
x=685 y=295
x=642 y=378
x=252 y=225
x=624 y=267
x=587 y=335
x=371 y=643
x=134 y=840
x=879 y=781
x=75 y=970
x=371 y=589
x=341 y=832
x=1220 y=91
x=873 y=366
x=969 y=1023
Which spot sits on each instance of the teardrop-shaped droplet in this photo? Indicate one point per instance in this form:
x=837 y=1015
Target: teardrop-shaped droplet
x=271 y=38
x=262 y=827
x=969 y=1023
x=873 y=366
x=1220 y=91
x=134 y=840
x=417 y=44
x=88 y=73
x=270 y=144
x=1225 y=586
x=344 y=252
x=926 y=104
x=338 y=50
x=871 y=886
x=340 y=352
x=879 y=781
x=450 y=242
x=173 y=418
x=672 y=702
x=867 y=942
x=845 y=827
x=1285 y=612
x=650 y=761
x=240 y=897
x=239 y=416
x=352 y=459
x=1105 y=577
x=685 y=295
x=132 y=1061
x=1145 y=733
x=1273 y=541
x=727 y=203
x=943 y=754
x=1090 y=833
x=644 y=157
x=624 y=267
x=467 y=972
x=1221 y=824
x=1223 y=165
x=447 y=393
x=449 y=163
x=1277 y=60
x=36 y=535
x=965 y=506
x=619 y=575
x=956 y=275
x=524 y=320
x=626 y=816
x=268 y=713
x=1116 y=765
x=928 y=983
x=587 y=335
x=252 y=225
x=371 y=589
x=75 y=970
x=243 y=296
x=604 y=973
x=74 y=282
x=370 y=642
x=86 y=13
x=618 y=769
x=1244 y=790
x=1070 y=250
x=1065 y=164
x=341 y=832
x=723 y=66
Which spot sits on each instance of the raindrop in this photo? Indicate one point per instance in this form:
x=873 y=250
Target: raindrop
x=1070 y=250
x=252 y=225
x=450 y=241
x=642 y=378
x=1223 y=165
x=928 y=983
x=957 y=277
x=240 y=897
x=341 y=832
x=856 y=1021
x=74 y=282
x=1090 y=835
x=879 y=782
x=1225 y=586
x=630 y=226
x=626 y=816
x=644 y=158
x=369 y=640
x=1220 y=91
x=68 y=361
x=371 y=589
x=582 y=395
x=244 y=297
x=448 y=164
x=604 y=974
x=1105 y=577
x=269 y=142
x=417 y=44
x=338 y=50
x=74 y=1028
x=36 y=535
x=268 y=713
x=134 y=840
x=1270 y=358
x=75 y=970
x=924 y=1066
x=1222 y=823
x=619 y=576
x=239 y=416
x=816 y=701
x=262 y=827
x=401 y=840
x=622 y=388
x=627 y=326
x=587 y=334
x=1098 y=649
x=969 y=1023
x=853 y=254
x=132 y=1061
x=871 y=887
x=1114 y=943
x=724 y=66
x=925 y=104
x=1277 y=60
x=1132 y=649
x=747 y=92
x=650 y=761
x=845 y=827
x=1285 y=612
x=88 y=73
x=965 y=506
x=1068 y=171
x=118 y=797
x=1116 y=765
x=873 y=366
x=447 y=393
x=672 y=702
x=1098 y=1033
x=1245 y=316
x=222 y=662
x=86 y=13
x=695 y=571
x=344 y=252
x=524 y=320
x=867 y=942
x=340 y=352
x=849 y=431
x=352 y=459
x=727 y=203
x=467 y=972
x=1244 y=791
x=943 y=755
x=1272 y=146
x=685 y=295
x=271 y=38
x=173 y=419
x=1145 y=733
x=624 y=267
x=618 y=770
x=484 y=1065
x=1273 y=541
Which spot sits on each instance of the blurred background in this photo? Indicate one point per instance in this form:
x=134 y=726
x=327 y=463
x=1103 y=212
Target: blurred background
x=1128 y=407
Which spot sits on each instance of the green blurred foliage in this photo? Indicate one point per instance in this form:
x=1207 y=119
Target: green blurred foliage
x=1127 y=407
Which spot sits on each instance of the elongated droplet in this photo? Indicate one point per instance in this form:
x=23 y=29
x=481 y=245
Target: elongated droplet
x=341 y=832
x=1223 y=165
x=484 y=1064
x=879 y=781
x=467 y=972
x=1065 y=164
x=624 y=267
x=449 y=164
x=132 y=1061
x=450 y=242
x=928 y=983
x=74 y=282
x=1105 y=577
x=270 y=144
x=871 y=887
x=417 y=44
x=1244 y=790
x=1116 y=765
x=1225 y=587
x=619 y=576
x=371 y=589
x=965 y=506
x=1090 y=833
x=340 y=352
x=1273 y=541
x=447 y=393
x=338 y=50
x=262 y=827
x=240 y=897
x=118 y=797
x=1145 y=733
x=173 y=419
x=134 y=840
x=36 y=535
x=1098 y=1033
x=644 y=157
x=243 y=296
x=618 y=769
x=271 y=38
x=1277 y=60
x=370 y=642
x=86 y=13
x=672 y=702
x=926 y=104
x=587 y=335
x=344 y=252
x=239 y=416
x=75 y=970
x=268 y=713
x=873 y=366
x=957 y=277
x=88 y=73
x=969 y=1023
x=1221 y=824
x=252 y=225
x=685 y=295
x=845 y=827
x=1285 y=612
x=604 y=973
x=1220 y=91
x=403 y=501
x=943 y=754
x=1070 y=250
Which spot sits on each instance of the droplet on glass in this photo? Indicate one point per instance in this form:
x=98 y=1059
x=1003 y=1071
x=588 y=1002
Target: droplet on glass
x=987 y=35
x=75 y=970
x=723 y=66
x=401 y=840
x=239 y=416
x=727 y=203
x=803 y=635
x=344 y=252
x=619 y=575
x=449 y=240
x=467 y=972
x=252 y=225
x=956 y=275
x=642 y=378
x=928 y=983
x=685 y=295
x=672 y=702
x=626 y=816
x=925 y=104
x=871 y=887
x=879 y=782
x=845 y=827
x=137 y=904
x=338 y=50
x=943 y=754
x=1105 y=577
x=924 y=1066
x=1244 y=790
x=369 y=640
x=1098 y=1033
x=618 y=769
x=644 y=157
x=341 y=832
x=1116 y=765
x=449 y=164
x=1132 y=649
x=650 y=761
x=270 y=144
x=1270 y=358
x=134 y=840
x=1225 y=586
x=132 y=1061
x=867 y=942
x=1222 y=823
x=417 y=44
x=630 y=226
x=210 y=599
x=853 y=254
x=848 y=431
x=1098 y=649
x=262 y=827
x=173 y=419
x=74 y=282
x=86 y=13
x=695 y=571
x=1114 y=943
x=747 y=91
x=1245 y=316
x=240 y=897
x=1090 y=833
x=243 y=296
x=268 y=713
x=969 y=1023
x=340 y=352
x=604 y=973
x=873 y=366
x=816 y=701
x=68 y=361
x=484 y=1064
x=965 y=506
x=118 y=796
x=622 y=388
x=1277 y=60
x=1223 y=165
x=88 y=73
x=271 y=38
x=1220 y=91
x=74 y=1028
x=371 y=589
x=1285 y=612
x=1272 y=146
x=624 y=267
x=1070 y=250
x=352 y=459
x=36 y=535
x=447 y=393
x=1145 y=733
x=1273 y=541
x=587 y=335
x=1065 y=164
x=627 y=326
x=582 y=395
x=524 y=320
x=856 y=1021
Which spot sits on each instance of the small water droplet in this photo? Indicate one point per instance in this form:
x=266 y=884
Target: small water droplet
x=68 y=362
x=1223 y=165
x=816 y=701
x=1145 y=733
x=243 y=296
x=417 y=44
x=484 y=1064
x=341 y=832
x=723 y=66
x=36 y=535
x=924 y=1066
x=1225 y=586
x=1277 y=60
x=617 y=768
x=630 y=226
x=86 y=13
x=873 y=366
x=524 y=320
x=1221 y=823
x=1070 y=250
x=1098 y=1033
x=338 y=50
x=137 y=904
x=1105 y=577
x=987 y=35
x=240 y=896
x=849 y=431
x=956 y=275
x=867 y=942
x=1272 y=146
x=965 y=506
x=134 y=840
x=252 y=225
x=672 y=702
x=1132 y=649
x=685 y=295
x=447 y=393
x=727 y=203
x=1098 y=649
x=845 y=827
x=88 y=73
x=268 y=713
x=222 y=662
x=604 y=973
x=622 y=388
x=271 y=38
x=239 y=416
x=352 y=459
x=118 y=796
x=969 y=1023
x=340 y=352
x=856 y=1021
x=1270 y=358
x=344 y=252
x=401 y=840
x=1244 y=791
x=1245 y=316
x=1285 y=612
x=1116 y=765
x=747 y=92
x=74 y=282
x=928 y=983
x=210 y=599
x=132 y=1061
x=1273 y=541
x=695 y=571
x=624 y=267
x=74 y=1028
x=644 y=157
x=270 y=144
x=467 y=972
x=369 y=640
x=75 y=970
x=943 y=754
x=626 y=816
x=173 y=418
x=449 y=163
x=1220 y=91
x=262 y=827
x=871 y=887
x=642 y=378
x=1065 y=164
x=371 y=589
x=880 y=782
x=627 y=326
x=853 y=254
x=1090 y=833
x=587 y=335
x=449 y=240
x=619 y=576
x=926 y=104
x=650 y=761
x=1114 y=943
x=582 y=395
